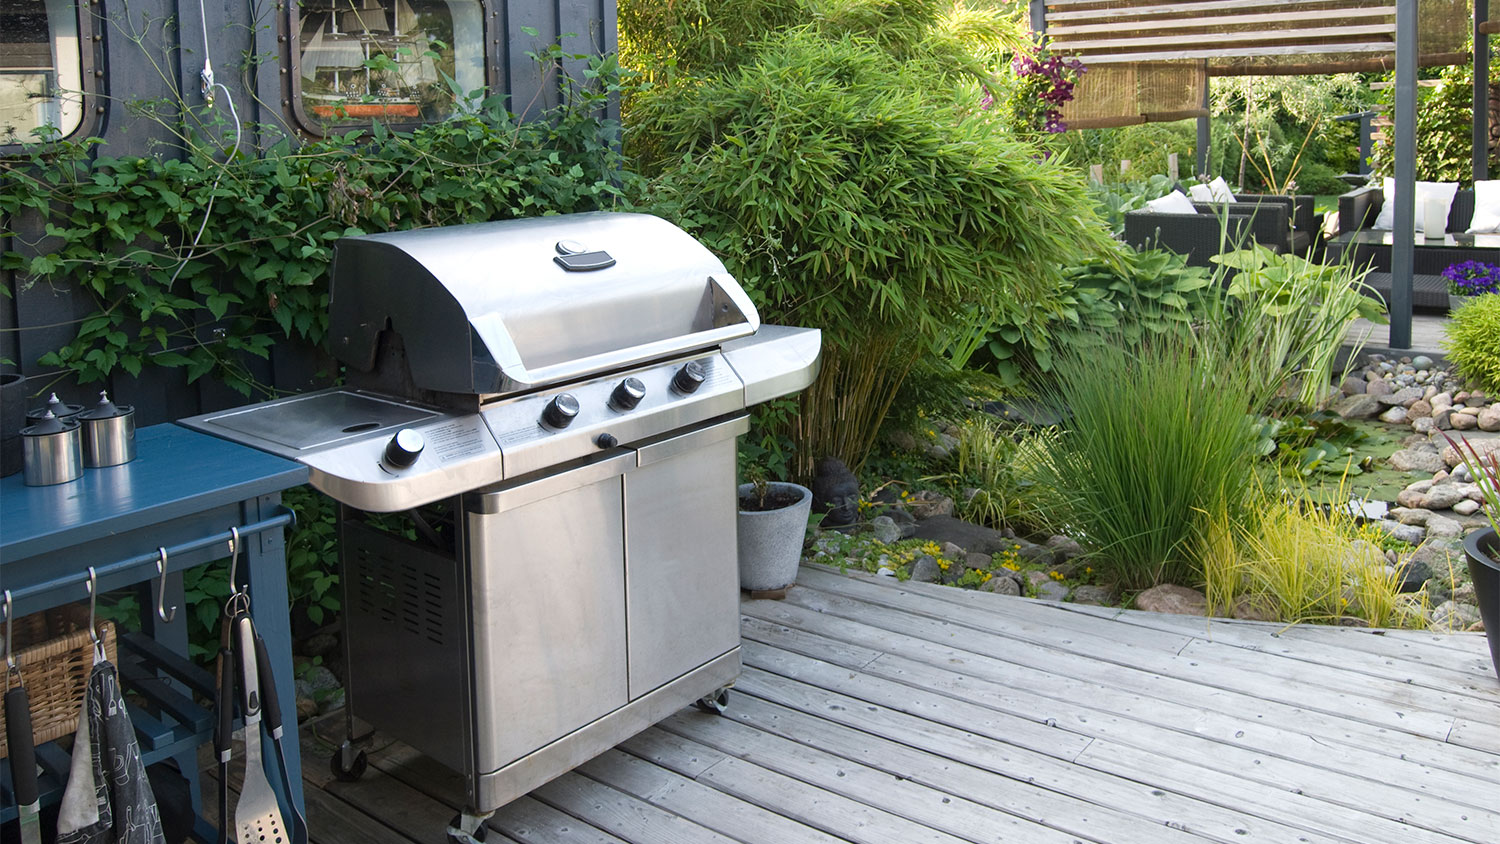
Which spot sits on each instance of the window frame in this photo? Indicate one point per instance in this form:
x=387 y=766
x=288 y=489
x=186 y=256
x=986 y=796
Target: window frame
x=91 y=75
x=291 y=63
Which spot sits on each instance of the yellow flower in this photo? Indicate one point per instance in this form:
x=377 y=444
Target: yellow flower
x=1055 y=575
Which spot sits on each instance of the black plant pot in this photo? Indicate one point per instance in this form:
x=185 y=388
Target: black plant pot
x=12 y=420
x=1483 y=550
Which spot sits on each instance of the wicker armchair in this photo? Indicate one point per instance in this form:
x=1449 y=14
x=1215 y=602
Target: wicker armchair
x=1216 y=228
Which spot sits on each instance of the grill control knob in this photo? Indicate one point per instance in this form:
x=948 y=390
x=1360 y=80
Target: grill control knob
x=689 y=378
x=606 y=441
x=561 y=411
x=404 y=449
x=628 y=394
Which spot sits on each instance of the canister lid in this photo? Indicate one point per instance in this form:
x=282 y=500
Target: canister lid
x=49 y=424
x=106 y=409
x=55 y=407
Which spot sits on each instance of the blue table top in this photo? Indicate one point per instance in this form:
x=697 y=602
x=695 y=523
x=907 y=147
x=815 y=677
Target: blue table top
x=176 y=472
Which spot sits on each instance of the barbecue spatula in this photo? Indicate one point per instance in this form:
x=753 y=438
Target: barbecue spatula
x=257 y=817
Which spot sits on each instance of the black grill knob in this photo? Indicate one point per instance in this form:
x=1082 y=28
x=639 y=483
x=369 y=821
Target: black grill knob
x=561 y=411
x=404 y=448
x=606 y=441
x=689 y=378
x=628 y=394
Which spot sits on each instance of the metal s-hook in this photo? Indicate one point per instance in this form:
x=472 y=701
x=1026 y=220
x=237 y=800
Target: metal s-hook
x=234 y=559
x=10 y=640
x=93 y=586
x=162 y=612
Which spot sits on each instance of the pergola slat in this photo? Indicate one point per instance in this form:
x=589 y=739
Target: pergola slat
x=1085 y=47
x=1210 y=22
x=1170 y=8
x=1231 y=52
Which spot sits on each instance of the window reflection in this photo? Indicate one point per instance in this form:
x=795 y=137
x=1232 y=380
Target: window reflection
x=41 y=76
x=388 y=60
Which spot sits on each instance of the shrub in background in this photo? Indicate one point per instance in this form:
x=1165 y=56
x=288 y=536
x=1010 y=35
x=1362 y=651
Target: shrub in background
x=849 y=181
x=1445 y=125
x=1473 y=342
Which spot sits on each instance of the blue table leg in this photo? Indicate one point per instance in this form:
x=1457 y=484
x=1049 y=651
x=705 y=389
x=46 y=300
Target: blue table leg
x=265 y=564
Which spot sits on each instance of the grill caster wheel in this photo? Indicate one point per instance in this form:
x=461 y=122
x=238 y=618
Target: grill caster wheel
x=457 y=834
x=716 y=703
x=356 y=766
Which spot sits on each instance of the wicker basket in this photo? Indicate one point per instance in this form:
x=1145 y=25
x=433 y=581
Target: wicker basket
x=55 y=670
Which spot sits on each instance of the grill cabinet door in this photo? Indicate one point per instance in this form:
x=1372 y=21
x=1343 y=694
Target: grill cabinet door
x=681 y=557
x=547 y=570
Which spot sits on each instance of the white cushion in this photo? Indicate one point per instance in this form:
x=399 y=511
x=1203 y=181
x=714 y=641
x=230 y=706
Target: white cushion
x=1486 y=207
x=1220 y=190
x=1175 y=202
x=1200 y=193
x=1441 y=191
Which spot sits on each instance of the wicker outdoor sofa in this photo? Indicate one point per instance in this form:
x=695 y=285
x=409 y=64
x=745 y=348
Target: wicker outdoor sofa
x=1284 y=224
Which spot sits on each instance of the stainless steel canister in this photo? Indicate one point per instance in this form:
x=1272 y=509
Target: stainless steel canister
x=108 y=433
x=52 y=451
x=54 y=406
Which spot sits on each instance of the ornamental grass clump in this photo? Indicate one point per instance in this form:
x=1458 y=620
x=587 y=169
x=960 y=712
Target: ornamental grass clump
x=1159 y=454
x=1473 y=343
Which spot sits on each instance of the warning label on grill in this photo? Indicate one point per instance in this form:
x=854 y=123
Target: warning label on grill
x=456 y=440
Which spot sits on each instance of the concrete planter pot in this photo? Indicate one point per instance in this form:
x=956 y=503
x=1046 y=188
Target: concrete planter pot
x=1482 y=547
x=12 y=420
x=770 y=541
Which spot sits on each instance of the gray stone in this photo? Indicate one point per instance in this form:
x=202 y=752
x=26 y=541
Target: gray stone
x=1422 y=362
x=965 y=535
x=976 y=560
x=1251 y=609
x=926 y=504
x=1419 y=409
x=1442 y=558
x=1465 y=593
x=1001 y=584
x=1097 y=596
x=1394 y=416
x=1170 y=598
x=1442 y=400
x=1452 y=616
x=320 y=644
x=1031 y=553
x=1476 y=400
x=1489 y=419
x=1467 y=507
x=1441 y=526
x=925 y=569
x=1063 y=548
x=1413 y=516
x=1443 y=496
x=1402 y=397
x=1379 y=388
x=1352 y=385
x=1410 y=534
x=903 y=440
x=951 y=551
x=885 y=529
x=1464 y=421
x=906 y=521
x=1411 y=460
x=1441 y=418
x=1051 y=591
x=1423 y=424
x=319 y=685
x=1358 y=407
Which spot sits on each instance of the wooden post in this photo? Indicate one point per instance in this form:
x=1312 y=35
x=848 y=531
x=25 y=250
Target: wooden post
x=1172 y=166
x=1124 y=166
x=1096 y=173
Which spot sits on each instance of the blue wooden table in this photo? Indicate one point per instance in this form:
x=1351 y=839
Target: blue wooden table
x=184 y=491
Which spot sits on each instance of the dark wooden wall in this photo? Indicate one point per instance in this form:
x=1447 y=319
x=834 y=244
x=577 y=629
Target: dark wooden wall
x=135 y=46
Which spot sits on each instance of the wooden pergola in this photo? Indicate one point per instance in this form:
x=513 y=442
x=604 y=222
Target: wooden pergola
x=1150 y=60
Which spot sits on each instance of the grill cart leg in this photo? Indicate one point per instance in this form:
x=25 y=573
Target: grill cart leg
x=468 y=829
x=716 y=703
x=347 y=764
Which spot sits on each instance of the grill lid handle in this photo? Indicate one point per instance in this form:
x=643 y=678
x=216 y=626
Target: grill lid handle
x=583 y=262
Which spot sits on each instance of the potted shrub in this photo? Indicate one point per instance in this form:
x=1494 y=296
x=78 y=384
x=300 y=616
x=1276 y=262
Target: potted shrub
x=772 y=526
x=1482 y=546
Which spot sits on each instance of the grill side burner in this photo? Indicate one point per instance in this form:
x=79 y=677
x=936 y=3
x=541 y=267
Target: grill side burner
x=536 y=474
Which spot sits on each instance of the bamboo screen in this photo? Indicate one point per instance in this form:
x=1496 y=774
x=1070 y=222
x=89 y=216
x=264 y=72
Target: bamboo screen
x=1149 y=60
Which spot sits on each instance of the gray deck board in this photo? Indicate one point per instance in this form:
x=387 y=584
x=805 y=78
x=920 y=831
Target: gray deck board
x=884 y=712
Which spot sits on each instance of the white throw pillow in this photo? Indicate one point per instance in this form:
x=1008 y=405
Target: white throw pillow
x=1442 y=191
x=1175 y=202
x=1486 y=207
x=1201 y=193
x=1220 y=190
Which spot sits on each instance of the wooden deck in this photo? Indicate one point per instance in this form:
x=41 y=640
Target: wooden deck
x=884 y=712
x=1427 y=337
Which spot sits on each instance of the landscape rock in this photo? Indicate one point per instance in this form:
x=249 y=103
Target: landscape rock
x=903 y=440
x=1097 y=596
x=1063 y=548
x=319 y=685
x=1170 y=598
x=1410 y=499
x=1441 y=558
x=1410 y=534
x=1394 y=416
x=1489 y=419
x=1419 y=408
x=905 y=520
x=925 y=569
x=1464 y=421
x=1451 y=615
x=1411 y=460
x=1443 y=496
x=952 y=551
x=965 y=535
x=1051 y=591
x=885 y=529
x=1352 y=385
x=1423 y=425
x=1403 y=397
x=1358 y=407
x=1467 y=507
x=1249 y=609
x=1001 y=584
x=926 y=504
x=1413 y=516
x=976 y=560
x=1422 y=362
x=1481 y=446
x=1379 y=388
x=1031 y=553
x=1441 y=526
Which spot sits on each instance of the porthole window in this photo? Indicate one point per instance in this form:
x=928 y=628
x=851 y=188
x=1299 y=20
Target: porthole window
x=395 y=61
x=41 y=70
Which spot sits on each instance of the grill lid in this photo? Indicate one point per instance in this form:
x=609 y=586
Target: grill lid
x=508 y=306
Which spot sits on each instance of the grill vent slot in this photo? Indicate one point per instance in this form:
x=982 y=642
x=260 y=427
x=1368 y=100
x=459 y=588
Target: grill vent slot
x=399 y=594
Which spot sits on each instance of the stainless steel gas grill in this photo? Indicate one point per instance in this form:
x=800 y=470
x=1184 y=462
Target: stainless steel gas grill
x=535 y=458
